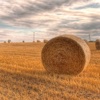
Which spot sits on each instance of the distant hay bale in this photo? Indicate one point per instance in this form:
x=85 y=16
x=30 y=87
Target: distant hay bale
x=97 y=44
x=23 y=41
x=33 y=41
x=38 y=41
x=45 y=41
x=4 y=41
x=9 y=41
x=65 y=54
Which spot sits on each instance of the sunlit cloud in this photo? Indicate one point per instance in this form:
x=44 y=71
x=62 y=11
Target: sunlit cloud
x=20 y=19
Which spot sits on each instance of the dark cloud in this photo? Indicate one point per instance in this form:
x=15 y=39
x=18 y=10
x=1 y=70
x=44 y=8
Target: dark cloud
x=17 y=12
x=2 y=34
x=81 y=29
x=33 y=8
x=50 y=16
x=92 y=25
x=87 y=26
x=92 y=5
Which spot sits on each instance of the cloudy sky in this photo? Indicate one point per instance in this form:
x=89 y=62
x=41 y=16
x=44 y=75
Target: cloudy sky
x=44 y=19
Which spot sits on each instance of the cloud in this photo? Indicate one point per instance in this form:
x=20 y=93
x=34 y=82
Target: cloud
x=87 y=26
x=15 y=35
x=31 y=7
x=20 y=18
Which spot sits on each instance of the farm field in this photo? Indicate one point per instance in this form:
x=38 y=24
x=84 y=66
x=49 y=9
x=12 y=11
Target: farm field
x=23 y=77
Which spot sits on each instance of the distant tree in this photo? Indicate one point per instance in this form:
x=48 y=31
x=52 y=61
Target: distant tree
x=9 y=41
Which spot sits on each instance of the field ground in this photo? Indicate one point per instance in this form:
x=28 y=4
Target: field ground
x=22 y=76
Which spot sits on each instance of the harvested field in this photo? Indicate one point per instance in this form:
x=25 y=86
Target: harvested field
x=23 y=77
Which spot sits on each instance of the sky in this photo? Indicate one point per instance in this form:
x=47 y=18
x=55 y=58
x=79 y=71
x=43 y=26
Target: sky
x=44 y=19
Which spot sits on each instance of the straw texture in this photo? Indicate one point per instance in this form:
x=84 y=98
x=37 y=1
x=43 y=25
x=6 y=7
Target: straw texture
x=65 y=54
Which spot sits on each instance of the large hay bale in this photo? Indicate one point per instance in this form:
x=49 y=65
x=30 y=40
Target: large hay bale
x=97 y=44
x=65 y=54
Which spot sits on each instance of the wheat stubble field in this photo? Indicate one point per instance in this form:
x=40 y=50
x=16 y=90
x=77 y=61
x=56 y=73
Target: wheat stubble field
x=22 y=76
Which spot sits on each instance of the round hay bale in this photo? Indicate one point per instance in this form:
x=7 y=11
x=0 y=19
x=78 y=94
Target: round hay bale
x=65 y=54
x=9 y=41
x=4 y=41
x=45 y=41
x=38 y=41
x=33 y=41
x=23 y=41
x=97 y=44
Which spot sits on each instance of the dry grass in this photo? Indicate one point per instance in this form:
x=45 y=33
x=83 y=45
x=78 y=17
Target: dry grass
x=66 y=54
x=22 y=76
